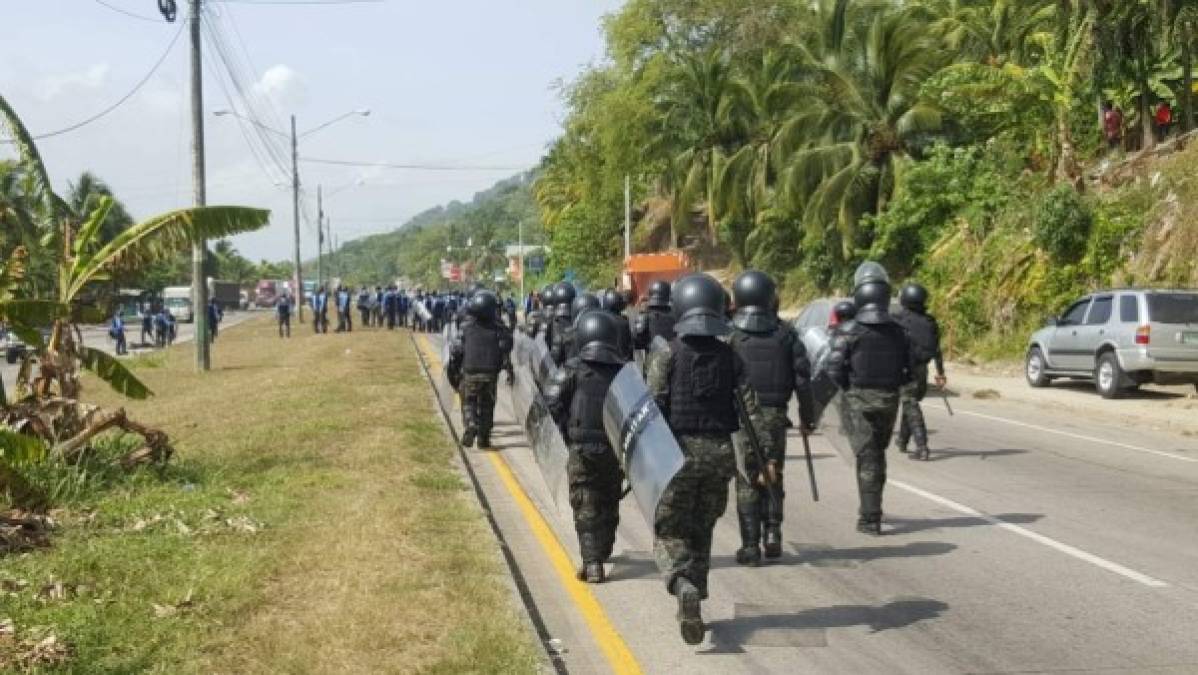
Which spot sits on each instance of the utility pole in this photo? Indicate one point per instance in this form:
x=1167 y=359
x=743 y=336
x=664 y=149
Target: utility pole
x=627 y=216
x=319 y=237
x=199 y=284
x=520 y=256
x=295 y=216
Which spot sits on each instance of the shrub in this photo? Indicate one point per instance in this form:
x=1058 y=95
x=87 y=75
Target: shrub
x=1062 y=224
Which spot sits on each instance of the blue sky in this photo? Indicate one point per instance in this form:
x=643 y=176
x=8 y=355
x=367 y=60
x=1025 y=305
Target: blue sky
x=466 y=82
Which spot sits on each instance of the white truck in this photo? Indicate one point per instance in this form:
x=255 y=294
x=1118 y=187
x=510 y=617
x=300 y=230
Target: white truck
x=177 y=300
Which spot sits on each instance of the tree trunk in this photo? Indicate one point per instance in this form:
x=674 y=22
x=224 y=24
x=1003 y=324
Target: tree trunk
x=1147 y=132
x=1066 y=170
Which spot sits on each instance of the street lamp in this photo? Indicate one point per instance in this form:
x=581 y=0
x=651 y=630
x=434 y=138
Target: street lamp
x=294 y=138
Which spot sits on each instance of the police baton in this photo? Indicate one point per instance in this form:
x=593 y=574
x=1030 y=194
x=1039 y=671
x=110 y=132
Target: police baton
x=944 y=397
x=768 y=476
x=810 y=465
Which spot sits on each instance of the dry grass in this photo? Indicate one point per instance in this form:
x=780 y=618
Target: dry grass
x=372 y=556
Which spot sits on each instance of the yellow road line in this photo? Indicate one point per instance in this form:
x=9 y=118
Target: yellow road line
x=615 y=650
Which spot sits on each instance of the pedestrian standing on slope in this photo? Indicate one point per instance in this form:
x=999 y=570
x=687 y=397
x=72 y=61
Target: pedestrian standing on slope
x=283 y=314
x=923 y=332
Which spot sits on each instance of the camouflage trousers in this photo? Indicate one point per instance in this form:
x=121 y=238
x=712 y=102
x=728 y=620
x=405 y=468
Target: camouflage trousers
x=912 y=426
x=752 y=498
x=868 y=417
x=595 y=489
x=689 y=508
x=478 y=402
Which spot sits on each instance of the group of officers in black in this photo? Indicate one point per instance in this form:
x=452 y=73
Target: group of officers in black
x=723 y=374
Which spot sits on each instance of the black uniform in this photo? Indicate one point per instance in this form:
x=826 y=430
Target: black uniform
x=481 y=351
x=870 y=361
x=575 y=397
x=924 y=334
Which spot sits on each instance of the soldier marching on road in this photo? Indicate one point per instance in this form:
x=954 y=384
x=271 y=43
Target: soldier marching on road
x=695 y=383
x=777 y=369
x=575 y=397
x=613 y=302
x=656 y=320
x=924 y=334
x=870 y=361
x=482 y=349
x=563 y=299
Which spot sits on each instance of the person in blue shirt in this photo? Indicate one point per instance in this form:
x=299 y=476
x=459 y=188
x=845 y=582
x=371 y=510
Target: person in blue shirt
x=345 y=316
x=402 y=305
x=283 y=314
x=320 y=310
x=117 y=332
x=214 y=316
x=147 y=325
x=172 y=328
x=364 y=305
x=161 y=326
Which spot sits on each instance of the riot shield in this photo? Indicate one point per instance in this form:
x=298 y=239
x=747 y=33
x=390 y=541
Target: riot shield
x=548 y=447
x=648 y=451
x=541 y=361
x=818 y=343
x=445 y=391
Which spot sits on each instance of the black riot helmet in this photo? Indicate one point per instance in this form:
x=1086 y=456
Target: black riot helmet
x=547 y=299
x=844 y=311
x=597 y=335
x=699 y=303
x=659 y=294
x=756 y=298
x=914 y=297
x=482 y=305
x=475 y=288
x=582 y=303
x=613 y=301
x=871 y=293
x=563 y=293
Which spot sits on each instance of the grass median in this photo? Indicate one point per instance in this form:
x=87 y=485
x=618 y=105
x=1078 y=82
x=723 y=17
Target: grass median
x=312 y=521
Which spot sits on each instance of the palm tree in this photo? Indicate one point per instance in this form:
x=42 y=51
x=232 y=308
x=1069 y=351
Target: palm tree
x=863 y=116
x=50 y=408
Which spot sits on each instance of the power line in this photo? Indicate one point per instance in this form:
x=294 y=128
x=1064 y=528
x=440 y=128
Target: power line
x=417 y=167
x=303 y=2
x=120 y=102
x=127 y=13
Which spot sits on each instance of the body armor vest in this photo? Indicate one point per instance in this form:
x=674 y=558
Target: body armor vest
x=924 y=334
x=482 y=347
x=879 y=356
x=702 y=384
x=769 y=359
x=591 y=383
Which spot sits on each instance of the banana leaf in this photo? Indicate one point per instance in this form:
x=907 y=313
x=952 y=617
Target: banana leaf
x=112 y=371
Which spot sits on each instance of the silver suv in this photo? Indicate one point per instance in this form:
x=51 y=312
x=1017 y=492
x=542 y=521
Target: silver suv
x=1121 y=339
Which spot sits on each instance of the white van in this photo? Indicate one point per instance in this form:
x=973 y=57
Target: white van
x=177 y=300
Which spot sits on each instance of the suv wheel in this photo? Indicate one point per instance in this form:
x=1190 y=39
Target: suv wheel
x=1108 y=376
x=1034 y=368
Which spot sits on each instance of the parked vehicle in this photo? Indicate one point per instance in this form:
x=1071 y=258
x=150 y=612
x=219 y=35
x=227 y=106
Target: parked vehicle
x=1120 y=339
x=244 y=301
x=227 y=294
x=14 y=348
x=177 y=300
x=266 y=293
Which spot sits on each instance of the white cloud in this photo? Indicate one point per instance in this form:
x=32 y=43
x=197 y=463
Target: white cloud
x=52 y=86
x=283 y=86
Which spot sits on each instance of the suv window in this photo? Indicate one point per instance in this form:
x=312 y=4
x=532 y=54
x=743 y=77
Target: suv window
x=1173 y=307
x=1074 y=315
x=1129 y=309
x=1100 y=312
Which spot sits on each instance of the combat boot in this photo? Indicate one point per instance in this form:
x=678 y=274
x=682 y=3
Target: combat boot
x=869 y=526
x=468 y=437
x=922 y=454
x=690 y=611
x=750 y=534
x=773 y=541
x=593 y=573
x=484 y=442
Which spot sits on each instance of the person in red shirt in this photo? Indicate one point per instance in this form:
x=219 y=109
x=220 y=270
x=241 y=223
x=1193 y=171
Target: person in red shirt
x=1112 y=125
x=1163 y=118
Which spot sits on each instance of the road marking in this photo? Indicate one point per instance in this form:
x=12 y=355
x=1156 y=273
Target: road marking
x=1034 y=536
x=1079 y=437
x=611 y=643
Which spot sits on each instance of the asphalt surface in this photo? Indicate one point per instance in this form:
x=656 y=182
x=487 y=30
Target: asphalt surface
x=1037 y=540
x=97 y=336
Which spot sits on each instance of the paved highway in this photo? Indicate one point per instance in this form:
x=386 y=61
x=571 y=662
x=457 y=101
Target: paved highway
x=1036 y=541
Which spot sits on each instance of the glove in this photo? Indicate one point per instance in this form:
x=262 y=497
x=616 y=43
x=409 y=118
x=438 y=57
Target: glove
x=941 y=381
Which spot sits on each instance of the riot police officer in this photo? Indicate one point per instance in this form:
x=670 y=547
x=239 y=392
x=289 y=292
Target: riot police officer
x=559 y=319
x=613 y=302
x=564 y=346
x=924 y=334
x=656 y=319
x=482 y=349
x=575 y=397
x=777 y=368
x=843 y=312
x=870 y=360
x=701 y=385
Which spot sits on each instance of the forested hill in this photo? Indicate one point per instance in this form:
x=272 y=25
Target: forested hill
x=477 y=231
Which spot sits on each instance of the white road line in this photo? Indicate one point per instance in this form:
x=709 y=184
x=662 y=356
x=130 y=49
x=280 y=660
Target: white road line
x=1080 y=437
x=1039 y=538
